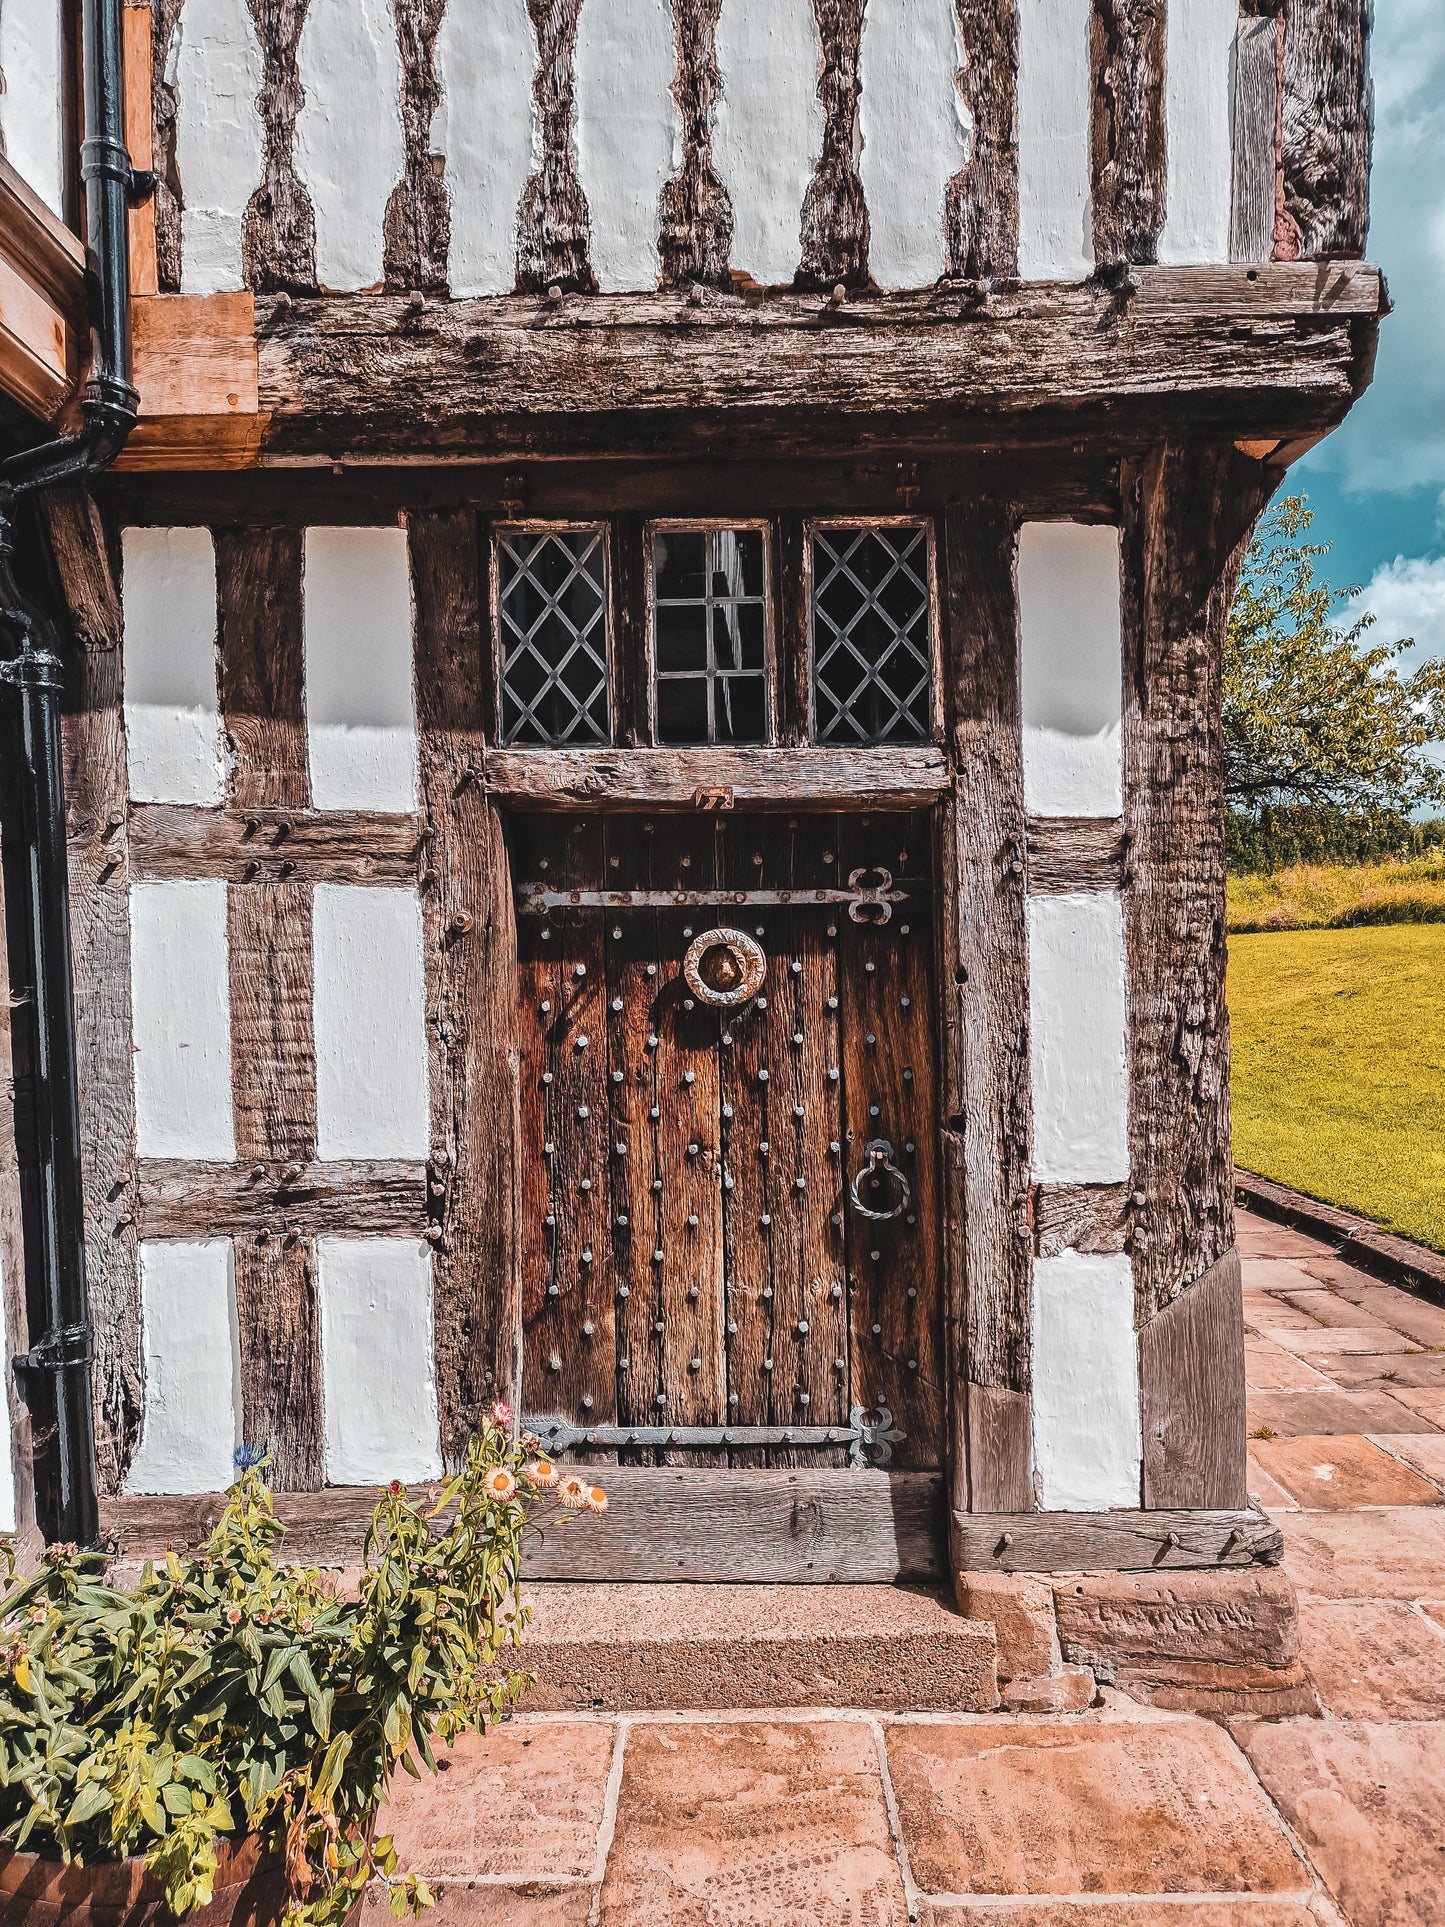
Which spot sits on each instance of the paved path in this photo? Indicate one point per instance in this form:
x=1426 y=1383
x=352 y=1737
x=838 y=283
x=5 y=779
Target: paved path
x=844 y=1819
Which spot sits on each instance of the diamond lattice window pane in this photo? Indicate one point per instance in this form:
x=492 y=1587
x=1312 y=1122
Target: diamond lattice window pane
x=872 y=628
x=552 y=611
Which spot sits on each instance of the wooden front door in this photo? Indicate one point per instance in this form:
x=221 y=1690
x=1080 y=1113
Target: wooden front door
x=703 y=1283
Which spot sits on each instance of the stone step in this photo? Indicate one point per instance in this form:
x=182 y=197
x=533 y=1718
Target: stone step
x=633 y=1648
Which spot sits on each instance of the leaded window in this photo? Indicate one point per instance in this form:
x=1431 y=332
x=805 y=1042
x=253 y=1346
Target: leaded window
x=710 y=635
x=872 y=632
x=552 y=635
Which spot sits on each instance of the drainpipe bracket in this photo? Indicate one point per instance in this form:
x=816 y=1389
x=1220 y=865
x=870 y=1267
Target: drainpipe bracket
x=66 y=1349
x=38 y=670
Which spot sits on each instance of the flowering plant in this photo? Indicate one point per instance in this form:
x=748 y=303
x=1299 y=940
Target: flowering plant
x=229 y=1694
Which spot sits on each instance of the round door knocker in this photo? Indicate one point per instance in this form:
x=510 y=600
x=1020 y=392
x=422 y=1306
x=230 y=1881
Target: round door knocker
x=880 y=1166
x=724 y=968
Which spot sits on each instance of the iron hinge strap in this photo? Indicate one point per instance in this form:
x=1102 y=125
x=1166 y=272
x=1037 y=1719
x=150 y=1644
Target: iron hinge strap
x=870 y=1436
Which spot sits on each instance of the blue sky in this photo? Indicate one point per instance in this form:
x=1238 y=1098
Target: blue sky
x=1377 y=485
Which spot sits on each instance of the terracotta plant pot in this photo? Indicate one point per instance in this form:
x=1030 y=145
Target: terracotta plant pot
x=250 y=1891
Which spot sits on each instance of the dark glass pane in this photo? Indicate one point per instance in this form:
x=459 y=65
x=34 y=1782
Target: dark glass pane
x=682 y=709
x=680 y=565
x=741 y=714
x=738 y=629
x=737 y=562
x=681 y=636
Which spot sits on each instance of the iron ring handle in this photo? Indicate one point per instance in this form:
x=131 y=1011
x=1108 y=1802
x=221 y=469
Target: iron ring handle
x=880 y=1160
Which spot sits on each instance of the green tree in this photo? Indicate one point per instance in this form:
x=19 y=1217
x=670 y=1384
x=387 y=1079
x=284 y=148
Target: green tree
x=1314 y=716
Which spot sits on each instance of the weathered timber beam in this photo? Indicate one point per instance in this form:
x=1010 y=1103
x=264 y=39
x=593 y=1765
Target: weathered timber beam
x=1080 y=1217
x=901 y=779
x=182 y=1198
x=1251 y=350
x=666 y=1523
x=1068 y=853
x=1115 y=1541
x=269 y=845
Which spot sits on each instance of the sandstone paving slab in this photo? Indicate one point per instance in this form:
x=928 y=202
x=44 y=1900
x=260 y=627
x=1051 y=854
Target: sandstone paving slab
x=1339 y=1341
x=1262 y=1238
x=1368 y=1803
x=1393 y=1553
x=1262 y=1488
x=1274 y=1308
x=1123 y=1911
x=1413 y=1371
x=1404 y=1311
x=1374 y=1659
x=1287 y=1414
x=1425 y=1451
x=752 y=1824
x=475 y=1903
x=1427 y=1404
x=1326 y=1307
x=1338 y=1472
x=525 y=1802
x=1086 y=1805
x=1269 y=1368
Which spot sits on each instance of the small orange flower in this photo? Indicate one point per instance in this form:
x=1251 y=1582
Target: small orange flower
x=596 y=1499
x=308 y=1625
x=501 y=1413
x=542 y=1473
x=39 y=1615
x=233 y=1615
x=500 y=1484
x=573 y=1492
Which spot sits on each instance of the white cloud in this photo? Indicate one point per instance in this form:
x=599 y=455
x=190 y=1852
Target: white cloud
x=1406 y=598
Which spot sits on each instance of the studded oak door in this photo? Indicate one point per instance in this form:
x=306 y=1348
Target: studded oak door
x=730 y=1209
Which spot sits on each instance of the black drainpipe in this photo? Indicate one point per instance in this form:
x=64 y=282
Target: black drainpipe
x=108 y=411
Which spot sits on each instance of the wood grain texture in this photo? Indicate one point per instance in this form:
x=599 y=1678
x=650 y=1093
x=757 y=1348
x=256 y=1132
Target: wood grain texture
x=96 y=787
x=262 y=672
x=685 y=1524
x=281 y=1357
x=169 y=196
x=508 y=377
x=418 y=221
x=1191 y=1394
x=472 y=991
x=278 y=234
x=188 y=1198
x=554 y=226
x=835 y=212
x=273 y=1046
x=984 y=981
x=1128 y=171
x=1326 y=125
x=696 y=232
x=1080 y=1217
x=983 y=197
x=1166 y=1541
x=1254 y=186
x=275 y=845
x=137 y=23
x=1187 y=520
x=1069 y=853
x=902 y=778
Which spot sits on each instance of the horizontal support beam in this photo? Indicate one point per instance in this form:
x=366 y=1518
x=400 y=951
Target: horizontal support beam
x=840 y=778
x=1114 y=1541
x=663 y=1523
x=1074 y=853
x=197 y=371
x=275 y=846
x=1274 y=350
x=1080 y=1217
x=179 y=1198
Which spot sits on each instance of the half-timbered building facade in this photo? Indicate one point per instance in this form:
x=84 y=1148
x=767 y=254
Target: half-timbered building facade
x=643 y=755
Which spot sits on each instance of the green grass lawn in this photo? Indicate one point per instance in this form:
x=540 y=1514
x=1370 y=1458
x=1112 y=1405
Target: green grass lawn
x=1339 y=1068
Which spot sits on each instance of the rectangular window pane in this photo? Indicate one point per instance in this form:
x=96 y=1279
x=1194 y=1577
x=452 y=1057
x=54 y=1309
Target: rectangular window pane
x=552 y=617
x=872 y=634
x=710 y=635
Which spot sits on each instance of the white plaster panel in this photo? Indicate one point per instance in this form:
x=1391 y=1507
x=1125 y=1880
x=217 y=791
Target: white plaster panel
x=768 y=129
x=1071 y=669
x=378 y=1375
x=916 y=136
x=172 y=709
x=1198 y=122
x=215 y=67
x=1077 y=1015
x=372 y=1087
x=626 y=133
x=181 y=1005
x=30 y=115
x=486 y=56
x=8 y=1520
x=1055 y=232
x=1087 y=1450
x=190 y=1340
x=349 y=147
x=360 y=712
